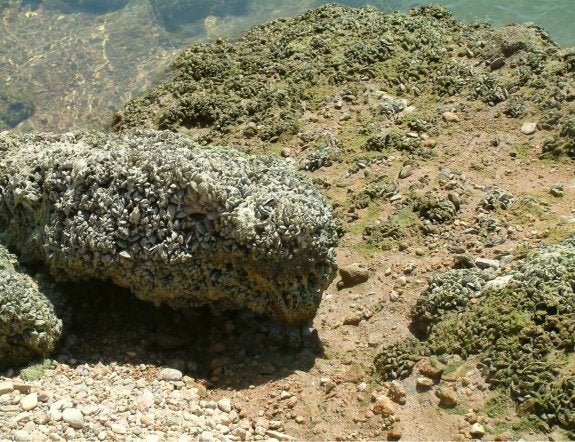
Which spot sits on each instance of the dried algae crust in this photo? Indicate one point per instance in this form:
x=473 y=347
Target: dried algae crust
x=173 y=222
x=29 y=326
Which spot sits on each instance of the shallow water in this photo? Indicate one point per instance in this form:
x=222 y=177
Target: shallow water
x=73 y=62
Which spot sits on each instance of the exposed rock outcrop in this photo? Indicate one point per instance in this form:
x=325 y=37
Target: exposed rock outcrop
x=29 y=326
x=173 y=222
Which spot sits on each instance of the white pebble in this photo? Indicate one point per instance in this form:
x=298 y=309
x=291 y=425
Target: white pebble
x=206 y=436
x=73 y=417
x=225 y=405
x=119 y=429
x=29 y=402
x=170 y=374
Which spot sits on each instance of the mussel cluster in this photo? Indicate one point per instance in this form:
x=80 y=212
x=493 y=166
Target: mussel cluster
x=520 y=328
x=173 y=222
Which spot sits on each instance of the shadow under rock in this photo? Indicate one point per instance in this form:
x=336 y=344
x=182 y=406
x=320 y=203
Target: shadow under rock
x=232 y=349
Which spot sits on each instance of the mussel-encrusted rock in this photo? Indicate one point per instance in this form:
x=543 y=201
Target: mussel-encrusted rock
x=520 y=328
x=173 y=222
x=29 y=326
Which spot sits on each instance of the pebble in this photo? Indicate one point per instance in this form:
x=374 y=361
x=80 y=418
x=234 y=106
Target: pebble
x=225 y=405
x=397 y=392
x=383 y=406
x=477 y=430
x=206 y=436
x=170 y=374
x=29 y=402
x=499 y=62
x=6 y=387
x=118 y=429
x=21 y=435
x=73 y=417
x=528 y=128
x=352 y=274
x=447 y=397
x=485 y=263
x=393 y=296
x=405 y=172
x=394 y=433
x=424 y=383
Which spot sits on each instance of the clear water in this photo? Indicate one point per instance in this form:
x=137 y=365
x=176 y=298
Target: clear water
x=555 y=16
x=71 y=63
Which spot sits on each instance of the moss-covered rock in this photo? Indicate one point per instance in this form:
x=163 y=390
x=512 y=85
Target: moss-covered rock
x=29 y=327
x=519 y=325
x=173 y=222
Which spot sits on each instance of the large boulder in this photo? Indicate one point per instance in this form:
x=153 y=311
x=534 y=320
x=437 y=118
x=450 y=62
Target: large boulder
x=29 y=326
x=173 y=222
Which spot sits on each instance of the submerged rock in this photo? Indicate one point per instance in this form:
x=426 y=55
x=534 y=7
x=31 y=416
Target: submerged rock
x=29 y=326
x=173 y=222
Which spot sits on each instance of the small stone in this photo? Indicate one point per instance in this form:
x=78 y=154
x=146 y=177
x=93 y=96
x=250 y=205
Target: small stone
x=450 y=117
x=393 y=296
x=557 y=191
x=485 y=263
x=405 y=172
x=353 y=274
x=447 y=397
x=528 y=128
x=394 y=433
x=225 y=405
x=397 y=392
x=477 y=430
x=353 y=319
x=240 y=433
x=73 y=417
x=21 y=435
x=431 y=368
x=383 y=406
x=206 y=436
x=279 y=436
x=6 y=387
x=299 y=419
x=286 y=152
x=292 y=401
x=118 y=429
x=170 y=374
x=275 y=425
x=499 y=62
x=22 y=387
x=102 y=435
x=285 y=395
x=29 y=402
x=147 y=399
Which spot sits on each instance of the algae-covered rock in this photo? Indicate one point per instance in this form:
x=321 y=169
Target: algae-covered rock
x=518 y=324
x=29 y=327
x=173 y=222
x=275 y=76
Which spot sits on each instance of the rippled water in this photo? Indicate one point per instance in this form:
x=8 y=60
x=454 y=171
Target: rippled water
x=70 y=63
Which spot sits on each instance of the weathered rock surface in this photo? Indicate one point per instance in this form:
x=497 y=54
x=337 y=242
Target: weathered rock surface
x=29 y=326
x=173 y=222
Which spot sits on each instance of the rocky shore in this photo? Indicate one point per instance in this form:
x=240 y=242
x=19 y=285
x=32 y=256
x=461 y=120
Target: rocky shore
x=446 y=152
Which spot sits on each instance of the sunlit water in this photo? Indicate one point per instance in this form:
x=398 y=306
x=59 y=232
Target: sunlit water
x=70 y=63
